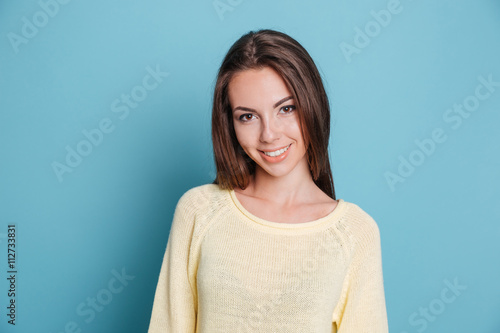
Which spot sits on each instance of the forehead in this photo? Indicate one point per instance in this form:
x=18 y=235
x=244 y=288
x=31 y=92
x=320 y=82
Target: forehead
x=256 y=87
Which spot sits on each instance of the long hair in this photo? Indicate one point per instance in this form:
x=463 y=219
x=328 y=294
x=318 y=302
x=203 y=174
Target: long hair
x=274 y=49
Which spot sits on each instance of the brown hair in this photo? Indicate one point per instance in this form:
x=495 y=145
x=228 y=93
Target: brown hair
x=274 y=49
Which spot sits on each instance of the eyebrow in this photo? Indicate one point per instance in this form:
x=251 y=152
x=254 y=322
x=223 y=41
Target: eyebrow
x=274 y=106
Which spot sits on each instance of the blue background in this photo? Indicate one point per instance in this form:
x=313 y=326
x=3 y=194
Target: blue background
x=112 y=212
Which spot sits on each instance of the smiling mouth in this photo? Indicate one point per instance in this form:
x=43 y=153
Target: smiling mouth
x=276 y=152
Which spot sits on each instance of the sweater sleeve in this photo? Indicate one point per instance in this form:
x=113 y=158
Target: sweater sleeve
x=174 y=307
x=362 y=308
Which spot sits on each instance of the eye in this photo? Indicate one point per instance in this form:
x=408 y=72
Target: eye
x=288 y=108
x=244 y=117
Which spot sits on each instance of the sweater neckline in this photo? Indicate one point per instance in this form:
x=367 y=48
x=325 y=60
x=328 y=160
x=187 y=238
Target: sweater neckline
x=333 y=215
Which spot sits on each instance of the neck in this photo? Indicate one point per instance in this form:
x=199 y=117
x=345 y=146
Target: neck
x=287 y=190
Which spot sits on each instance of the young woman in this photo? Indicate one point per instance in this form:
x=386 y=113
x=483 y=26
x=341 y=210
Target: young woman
x=267 y=247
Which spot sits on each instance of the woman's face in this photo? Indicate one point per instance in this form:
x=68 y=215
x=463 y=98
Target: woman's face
x=265 y=120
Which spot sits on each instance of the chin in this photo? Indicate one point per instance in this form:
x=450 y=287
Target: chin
x=277 y=171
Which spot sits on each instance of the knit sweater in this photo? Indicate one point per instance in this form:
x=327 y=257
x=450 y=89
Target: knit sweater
x=227 y=270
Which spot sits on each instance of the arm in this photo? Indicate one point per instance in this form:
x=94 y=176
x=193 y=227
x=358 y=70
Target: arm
x=362 y=307
x=174 y=307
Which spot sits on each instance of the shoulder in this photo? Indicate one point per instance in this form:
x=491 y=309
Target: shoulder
x=201 y=199
x=202 y=193
x=360 y=225
x=202 y=206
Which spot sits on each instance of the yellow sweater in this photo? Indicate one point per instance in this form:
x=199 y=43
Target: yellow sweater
x=226 y=270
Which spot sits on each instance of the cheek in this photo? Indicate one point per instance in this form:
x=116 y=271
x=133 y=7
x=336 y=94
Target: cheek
x=245 y=133
x=242 y=136
x=293 y=127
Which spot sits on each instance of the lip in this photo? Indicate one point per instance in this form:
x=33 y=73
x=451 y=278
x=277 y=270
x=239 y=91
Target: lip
x=274 y=149
x=276 y=159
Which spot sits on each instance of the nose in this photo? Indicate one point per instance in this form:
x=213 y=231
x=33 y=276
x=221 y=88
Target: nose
x=271 y=130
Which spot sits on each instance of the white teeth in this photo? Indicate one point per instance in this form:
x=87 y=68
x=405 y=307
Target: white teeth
x=277 y=152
